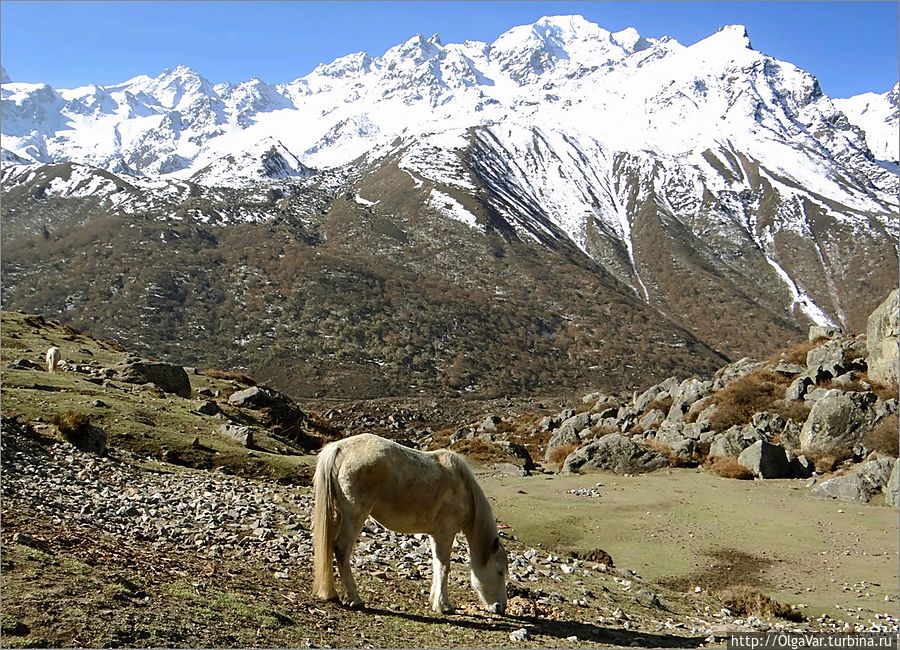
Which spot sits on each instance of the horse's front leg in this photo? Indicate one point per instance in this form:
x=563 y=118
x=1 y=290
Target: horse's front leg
x=441 y=545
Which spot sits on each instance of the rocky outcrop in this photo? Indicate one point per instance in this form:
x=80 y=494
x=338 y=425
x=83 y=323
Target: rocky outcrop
x=614 y=452
x=766 y=460
x=838 y=420
x=882 y=332
x=859 y=485
x=169 y=377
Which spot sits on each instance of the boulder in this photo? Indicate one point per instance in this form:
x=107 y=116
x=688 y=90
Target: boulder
x=817 y=332
x=892 y=489
x=519 y=452
x=689 y=391
x=768 y=424
x=489 y=424
x=652 y=419
x=208 y=407
x=614 y=452
x=790 y=435
x=788 y=368
x=837 y=420
x=242 y=435
x=826 y=359
x=733 y=441
x=766 y=460
x=882 y=332
x=562 y=438
x=734 y=371
x=550 y=423
x=257 y=397
x=801 y=467
x=860 y=485
x=797 y=389
x=167 y=376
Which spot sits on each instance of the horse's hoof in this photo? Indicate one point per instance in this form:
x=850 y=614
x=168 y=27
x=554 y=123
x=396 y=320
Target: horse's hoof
x=356 y=604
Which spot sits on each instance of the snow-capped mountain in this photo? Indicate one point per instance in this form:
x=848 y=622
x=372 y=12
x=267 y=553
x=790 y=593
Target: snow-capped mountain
x=711 y=182
x=878 y=116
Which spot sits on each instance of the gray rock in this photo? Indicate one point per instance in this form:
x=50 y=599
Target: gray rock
x=733 y=441
x=642 y=400
x=683 y=450
x=828 y=358
x=561 y=438
x=892 y=489
x=550 y=423
x=788 y=368
x=489 y=424
x=766 y=460
x=815 y=394
x=519 y=635
x=882 y=332
x=24 y=364
x=689 y=391
x=823 y=332
x=734 y=371
x=257 y=397
x=801 y=467
x=652 y=419
x=790 y=435
x=615 y=452
x=516 y=450
x=167 y=376
x=860 y=485
x=208 y=407
x=768 y=424
x=837 y=420
x=242 y=435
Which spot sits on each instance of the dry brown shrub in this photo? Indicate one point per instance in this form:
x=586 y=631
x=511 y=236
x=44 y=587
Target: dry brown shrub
x=796 y=353
x=664 y=450
x=479 y=451
x=885 y=437
x=826 y=460
x=73 y=426
x=798 y=411
x=747 y=601
x=728 y=467
x=660 y=404
x=559 y=455
x=883 y=390
x=229 y=375
x=738 y=401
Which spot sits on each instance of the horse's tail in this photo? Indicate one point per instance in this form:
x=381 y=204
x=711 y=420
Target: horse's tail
x=325 y=521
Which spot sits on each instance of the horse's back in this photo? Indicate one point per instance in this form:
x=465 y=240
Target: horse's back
x=405 y=489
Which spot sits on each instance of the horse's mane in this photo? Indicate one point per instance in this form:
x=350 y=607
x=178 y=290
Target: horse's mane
x=482 y=528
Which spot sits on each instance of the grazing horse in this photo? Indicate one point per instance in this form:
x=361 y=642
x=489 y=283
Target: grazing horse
x=53 y=357
x=407 y=491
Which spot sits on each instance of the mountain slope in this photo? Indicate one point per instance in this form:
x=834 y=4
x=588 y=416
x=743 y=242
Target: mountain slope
x=712 y=185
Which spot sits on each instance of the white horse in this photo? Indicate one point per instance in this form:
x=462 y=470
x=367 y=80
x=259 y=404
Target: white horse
x=407 y=491
x=53 y=357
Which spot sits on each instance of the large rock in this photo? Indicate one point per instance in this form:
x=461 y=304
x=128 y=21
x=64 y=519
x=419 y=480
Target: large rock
x=689 y=391
x=258 y=397
x=240 y=434
x=733 y=441
x=892 y=489
x=766 y=460
x=882 y=332
x=860 y=485
x=817 y=332
x=617 y=453
x=837 y=420
x=562 y=438
x=169 y=377
x=827 y=359
x=736 y=370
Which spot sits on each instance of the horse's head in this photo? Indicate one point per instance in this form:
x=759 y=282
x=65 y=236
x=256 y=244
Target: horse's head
x=489 y=579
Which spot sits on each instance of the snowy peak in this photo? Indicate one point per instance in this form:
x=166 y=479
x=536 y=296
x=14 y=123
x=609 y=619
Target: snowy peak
x=4 y=78
x=878 y=115
x=265 y=160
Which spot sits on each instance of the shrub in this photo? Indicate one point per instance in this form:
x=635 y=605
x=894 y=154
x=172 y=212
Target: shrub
x=747 y=601
x=826 y=460
x=728 y=467
x=559 y=455
x=229 y=376
x=660 y=404
x=73 y=426
x=885 y=437
x=797 y=352
x=738 y=401
x=882 y=390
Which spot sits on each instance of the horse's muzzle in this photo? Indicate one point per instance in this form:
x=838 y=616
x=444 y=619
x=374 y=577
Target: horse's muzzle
x=497 y=608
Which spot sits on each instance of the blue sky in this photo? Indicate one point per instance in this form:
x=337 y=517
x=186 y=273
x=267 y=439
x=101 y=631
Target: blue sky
x=852 y=47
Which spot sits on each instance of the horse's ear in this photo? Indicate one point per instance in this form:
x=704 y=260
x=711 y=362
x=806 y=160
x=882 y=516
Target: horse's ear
x=496 y=546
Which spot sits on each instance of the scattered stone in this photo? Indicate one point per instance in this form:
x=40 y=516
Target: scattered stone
x=859 y=485
x=240 y=434
x=519 y=635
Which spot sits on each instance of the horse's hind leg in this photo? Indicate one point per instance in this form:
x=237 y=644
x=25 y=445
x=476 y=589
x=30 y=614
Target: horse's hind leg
x=441 y=546
x=351 y=527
